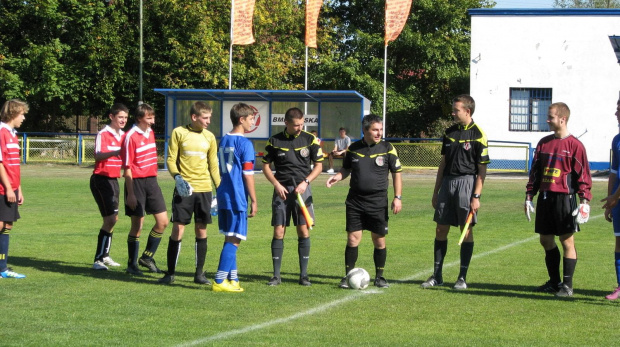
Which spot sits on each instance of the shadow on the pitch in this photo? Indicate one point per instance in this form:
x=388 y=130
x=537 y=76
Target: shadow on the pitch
x=515 y=291
x=114 y=274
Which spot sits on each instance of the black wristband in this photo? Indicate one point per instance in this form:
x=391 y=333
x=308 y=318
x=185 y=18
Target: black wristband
x=476 y=196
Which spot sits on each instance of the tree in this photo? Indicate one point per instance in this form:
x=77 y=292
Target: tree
x=427 y=65
x=586 y=4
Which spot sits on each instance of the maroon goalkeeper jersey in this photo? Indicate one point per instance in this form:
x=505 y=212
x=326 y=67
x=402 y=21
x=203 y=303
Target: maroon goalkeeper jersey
x=560 y=166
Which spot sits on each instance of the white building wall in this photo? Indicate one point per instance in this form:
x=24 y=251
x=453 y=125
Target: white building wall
x=571 y=54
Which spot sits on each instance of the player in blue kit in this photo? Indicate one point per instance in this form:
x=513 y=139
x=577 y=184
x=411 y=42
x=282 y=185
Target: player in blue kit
x=612 y=208
x=236 y=161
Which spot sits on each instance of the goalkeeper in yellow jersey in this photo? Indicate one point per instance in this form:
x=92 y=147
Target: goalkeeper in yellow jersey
x=192 y=161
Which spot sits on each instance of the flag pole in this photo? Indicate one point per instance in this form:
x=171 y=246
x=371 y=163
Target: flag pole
x=306 y=86
x=384 y=89
x=232 y=21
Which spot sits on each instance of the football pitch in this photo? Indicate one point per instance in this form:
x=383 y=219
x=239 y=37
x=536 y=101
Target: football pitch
x=62 y=302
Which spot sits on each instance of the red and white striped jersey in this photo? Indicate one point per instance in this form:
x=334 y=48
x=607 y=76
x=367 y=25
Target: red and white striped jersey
x=9 y=155
x=108 y=141
x=139 y=153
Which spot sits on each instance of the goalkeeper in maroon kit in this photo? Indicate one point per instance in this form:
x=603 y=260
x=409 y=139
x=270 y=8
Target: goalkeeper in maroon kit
x=559 y=171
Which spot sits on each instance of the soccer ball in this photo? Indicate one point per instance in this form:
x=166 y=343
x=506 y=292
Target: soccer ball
x=358 y=278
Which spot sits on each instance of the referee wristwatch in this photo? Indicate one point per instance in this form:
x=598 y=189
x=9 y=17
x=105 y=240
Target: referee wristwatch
x=399 y=197
x=476 y=196
x=306 y=180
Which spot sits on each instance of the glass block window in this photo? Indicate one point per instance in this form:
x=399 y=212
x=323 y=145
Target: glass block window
x=528 y=109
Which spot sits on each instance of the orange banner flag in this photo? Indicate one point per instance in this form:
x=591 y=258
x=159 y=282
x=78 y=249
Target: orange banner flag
x=313 y=7
x=396 y=14
x=242 y=22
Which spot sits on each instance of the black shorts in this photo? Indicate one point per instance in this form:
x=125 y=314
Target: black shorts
x=283 y=210
x=149 y=197
x=554 y=214
x=198 y=204
x=105 y=191
x=360 y=218
x=8 y=210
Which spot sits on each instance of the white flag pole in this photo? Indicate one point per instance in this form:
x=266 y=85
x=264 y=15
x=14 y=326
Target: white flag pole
x=384 y=90
x=232 y=23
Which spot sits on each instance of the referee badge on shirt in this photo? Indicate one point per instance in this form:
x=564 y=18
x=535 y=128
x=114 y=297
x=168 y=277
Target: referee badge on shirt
x=380 y=161
x=467 y=146
x=304 y=152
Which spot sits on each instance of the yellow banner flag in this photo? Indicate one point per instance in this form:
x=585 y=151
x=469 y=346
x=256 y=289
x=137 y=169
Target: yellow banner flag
x=313 y=7
x=242 y=22
x=396 y=14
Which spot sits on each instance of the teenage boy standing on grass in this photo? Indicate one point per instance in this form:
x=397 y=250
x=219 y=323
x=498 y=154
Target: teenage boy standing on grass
x=236 y=159
x=192 y=161
x=12 y=116
x=142 y=193
x=104 y=181
x=612 y=208
x=560 y=170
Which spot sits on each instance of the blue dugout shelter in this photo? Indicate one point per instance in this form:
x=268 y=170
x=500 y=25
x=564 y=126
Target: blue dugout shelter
x=326 y=110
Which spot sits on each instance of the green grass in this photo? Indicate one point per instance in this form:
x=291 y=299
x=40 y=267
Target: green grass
x=63 y=302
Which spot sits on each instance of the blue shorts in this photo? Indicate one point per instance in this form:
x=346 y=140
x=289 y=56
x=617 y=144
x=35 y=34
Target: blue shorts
x=233 y=223
x=615 y=217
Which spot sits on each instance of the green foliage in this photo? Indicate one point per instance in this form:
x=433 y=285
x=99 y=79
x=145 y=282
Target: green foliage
x=427 y=65
x=586 y=4
x=75 y=57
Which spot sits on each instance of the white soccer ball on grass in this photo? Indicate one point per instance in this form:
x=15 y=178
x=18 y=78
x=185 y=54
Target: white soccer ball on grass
x=358 y=278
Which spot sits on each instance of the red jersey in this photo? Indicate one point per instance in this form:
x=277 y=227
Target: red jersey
x=139 y=153
x=560 y=166
x=108 y=141
x=9 y=155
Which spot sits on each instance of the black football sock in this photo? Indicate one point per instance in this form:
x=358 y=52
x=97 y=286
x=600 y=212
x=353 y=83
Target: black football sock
x=379 y=256
x=4 y=248
x=107 y=243
x=133 y=246
x=201 y=255
x=277 y=249
x=350 y=258
x=467 y=250
x=441 y=248
x=303 y=249
x=174 y=248
x=569 y=271
x=552 y=261
x=102 y=242
x=152 y=244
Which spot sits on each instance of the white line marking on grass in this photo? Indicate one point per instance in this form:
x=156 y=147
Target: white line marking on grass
x=268 y=324
x=350 y=297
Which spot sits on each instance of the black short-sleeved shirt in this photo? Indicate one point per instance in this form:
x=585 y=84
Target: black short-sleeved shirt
x=464 y=147
x=292 y=156
x=370 y=166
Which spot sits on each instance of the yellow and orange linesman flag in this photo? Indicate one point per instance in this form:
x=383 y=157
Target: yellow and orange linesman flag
x=313 y=7
x=396 y=14
x=242 y=22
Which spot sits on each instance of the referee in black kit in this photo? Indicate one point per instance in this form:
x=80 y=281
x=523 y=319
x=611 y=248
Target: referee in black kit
x=291 y=151
x=369 y=161
x=460 y=177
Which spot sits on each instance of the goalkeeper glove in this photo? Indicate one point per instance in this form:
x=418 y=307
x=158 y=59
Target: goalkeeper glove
x=583 y=213
x=184 y=189
x=529 y=208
